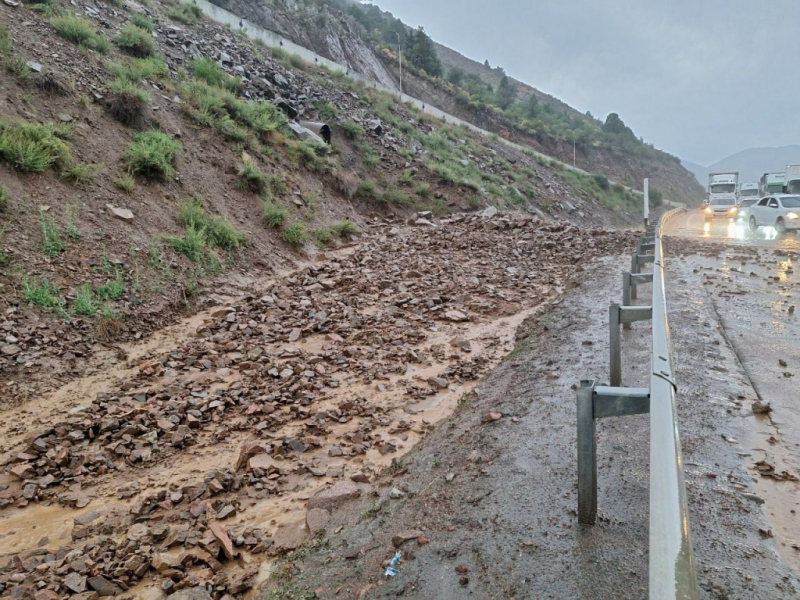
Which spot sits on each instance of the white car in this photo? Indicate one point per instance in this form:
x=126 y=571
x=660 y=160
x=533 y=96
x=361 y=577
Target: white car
x=781 y=211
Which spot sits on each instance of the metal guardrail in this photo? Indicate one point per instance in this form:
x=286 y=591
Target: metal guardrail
x=672 y=573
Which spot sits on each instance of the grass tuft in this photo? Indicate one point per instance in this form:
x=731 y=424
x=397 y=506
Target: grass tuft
x=128 y=103
x=152 y=154
x=295 y=234
x=186 y=12
x=84 y=301
x=251 y=178
x=80 y=31
x=274 y=215
x=42 y=293
x=126 y=183
x=142 y=22
x=135 y=41
x=80 y=174
x=113 y=289
x=33 y=147
x=344 y=228
x=52 y=245
x=192 y=244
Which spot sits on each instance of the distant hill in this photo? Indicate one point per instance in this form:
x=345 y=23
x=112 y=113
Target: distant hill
x=751 y=163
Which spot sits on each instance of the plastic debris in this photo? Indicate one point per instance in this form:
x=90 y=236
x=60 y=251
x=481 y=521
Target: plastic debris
x=390 y=570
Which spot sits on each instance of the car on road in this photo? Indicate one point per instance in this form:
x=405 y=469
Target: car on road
x=781 y=211
x=743 y=210
x=720 y=207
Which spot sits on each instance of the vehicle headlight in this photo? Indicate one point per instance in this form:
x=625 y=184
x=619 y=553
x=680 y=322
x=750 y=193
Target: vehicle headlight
x=733 y=210
x=707 y=209
x=792 y=215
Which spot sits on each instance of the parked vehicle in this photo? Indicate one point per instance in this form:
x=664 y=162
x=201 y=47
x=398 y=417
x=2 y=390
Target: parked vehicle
x=771 y=183
x=748 y=190
x=781 y=211
x=743 y=210
x=791 y=180
x=721 y=207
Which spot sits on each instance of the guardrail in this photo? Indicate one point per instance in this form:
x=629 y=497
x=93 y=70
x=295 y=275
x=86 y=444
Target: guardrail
x=672 y=573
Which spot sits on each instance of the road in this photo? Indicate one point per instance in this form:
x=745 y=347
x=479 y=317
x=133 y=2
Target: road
x=750 y=278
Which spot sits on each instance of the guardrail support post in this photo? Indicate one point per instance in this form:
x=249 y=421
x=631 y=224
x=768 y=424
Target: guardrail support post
x=587 y=455
x=634 y=270
x=614 y=347
x=626 y=294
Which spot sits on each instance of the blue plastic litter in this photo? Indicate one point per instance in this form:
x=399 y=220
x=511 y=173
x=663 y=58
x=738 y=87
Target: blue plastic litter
x=390 y=570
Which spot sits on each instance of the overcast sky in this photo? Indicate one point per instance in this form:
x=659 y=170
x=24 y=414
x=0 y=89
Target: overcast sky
x=701 y=79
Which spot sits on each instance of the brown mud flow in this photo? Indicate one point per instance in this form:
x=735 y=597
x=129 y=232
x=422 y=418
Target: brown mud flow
x=198 y=458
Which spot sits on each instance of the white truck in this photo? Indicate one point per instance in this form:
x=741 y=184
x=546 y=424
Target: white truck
x=771 y=183
x=722 y=185
x=791 y=180
x=748 y=190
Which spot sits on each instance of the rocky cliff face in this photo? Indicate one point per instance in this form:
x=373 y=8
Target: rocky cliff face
x=318 y=27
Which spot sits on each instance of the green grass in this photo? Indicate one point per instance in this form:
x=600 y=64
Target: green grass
x=3 y=199
x=33 y=147
x=395 y=198
x=128 y=103
x=210 y=72
x=344 y=228
x=152 y=154
x=351 y=129
x=322 y=236
x=217 y=230
x=42 y=293
x=135 y=41
x=17 y=66
x=113 y=289
x=52 y=245
x=406 y=178
x=84 y=303
x=80 y=173
x=192 y=244
x=142 y=22
x=251 y=178
x=295 y=234
x=326 y=110
x=80 y=31
x=72 y=229
x=274 y=215
x=136 y=69
x=186 y=12
x=126 y=183
x=423 y=190
x=366 y=190
x=310 y=154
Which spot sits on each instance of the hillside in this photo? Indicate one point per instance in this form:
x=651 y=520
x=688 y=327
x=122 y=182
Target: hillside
x=549 y=126
x=751 y=163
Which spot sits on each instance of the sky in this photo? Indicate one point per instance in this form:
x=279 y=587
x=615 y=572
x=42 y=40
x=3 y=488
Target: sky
x=701 y=79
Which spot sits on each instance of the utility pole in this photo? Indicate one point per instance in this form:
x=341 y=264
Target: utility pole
x=400 y=57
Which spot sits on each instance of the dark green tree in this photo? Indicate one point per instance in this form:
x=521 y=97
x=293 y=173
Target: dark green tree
x=616 y=125
x=506 y=92
x=486 y=64
x=531 y=107
x=455 y=75
x=421 y=53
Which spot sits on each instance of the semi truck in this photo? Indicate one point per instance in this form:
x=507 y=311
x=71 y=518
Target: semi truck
x=748 y=190
x=722 y=185
x=791 y=181
x=771 y=183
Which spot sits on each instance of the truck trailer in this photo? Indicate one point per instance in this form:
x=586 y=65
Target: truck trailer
x=791 y=180
x=771 y=183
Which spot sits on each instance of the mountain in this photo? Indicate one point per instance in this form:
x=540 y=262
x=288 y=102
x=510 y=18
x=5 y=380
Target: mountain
x=751 y=163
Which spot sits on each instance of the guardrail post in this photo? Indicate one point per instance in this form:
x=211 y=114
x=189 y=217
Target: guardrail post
x=614 y=347
x=634 y=269
x=587 y=454
x=626 y=294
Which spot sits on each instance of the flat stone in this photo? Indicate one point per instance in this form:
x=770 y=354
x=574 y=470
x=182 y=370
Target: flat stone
x=75 y=582
x=221 y=535
x=455 y=315
x=120 y=213
x=333 y=497
x=316 y=519
x=289 y=536
x=103 y=586
x=10 y=349
x=402 y=537
x=195 y=593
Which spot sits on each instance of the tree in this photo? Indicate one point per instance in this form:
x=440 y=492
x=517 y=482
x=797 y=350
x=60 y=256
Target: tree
x=422 y=54
x=506 y=92
x=455 y=75
x=531 y=107
x=616 y=125
x=486 y=64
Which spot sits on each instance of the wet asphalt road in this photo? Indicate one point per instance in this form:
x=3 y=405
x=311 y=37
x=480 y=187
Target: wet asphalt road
x=751 y=281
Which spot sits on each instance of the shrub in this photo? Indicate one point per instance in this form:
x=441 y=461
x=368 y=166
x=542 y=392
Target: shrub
x=135 y=41
x=351 y=129
x=50 y=83
x=223 y=234
x=112 y=289
x=84 y=301
x=423 y=190
x=344 y=228
x=81 y=173
x=278 y=185
x=126 y=183
x=142 y=22
x=209 y=71
x=326 y=110
x=152 y=154
x=295 y=234
x=394 y=197
x=601 y=181
x=42 y=293
x=51 y=238
x=366 y=189
x=274 y=215
x=347 y=183
x=310 y=154
x=322 y=236
x=33 y=147
x=406 y=178
x=187 y=13
x=79 y=31
x=3 y=199
x=18 y=67
x=192 y=244
x=251 y=178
